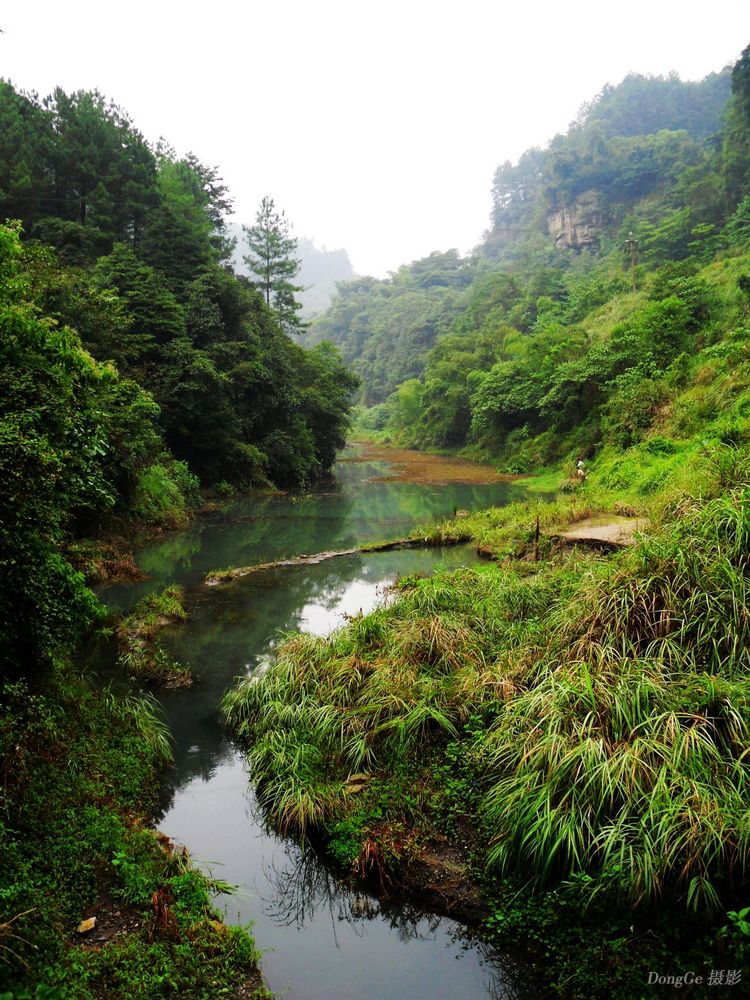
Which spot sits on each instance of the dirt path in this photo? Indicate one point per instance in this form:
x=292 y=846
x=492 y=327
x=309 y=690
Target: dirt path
x=607 y=532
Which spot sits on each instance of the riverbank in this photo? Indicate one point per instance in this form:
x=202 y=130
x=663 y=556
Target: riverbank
x=109 y=558
x=318 y=936
x=573 y=720
x=95 y=903
x=411 y=821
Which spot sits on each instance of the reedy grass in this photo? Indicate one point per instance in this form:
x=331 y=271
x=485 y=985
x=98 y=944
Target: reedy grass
x=613 y=699
x=621 y=771
x=381 y=687
x=626 y=756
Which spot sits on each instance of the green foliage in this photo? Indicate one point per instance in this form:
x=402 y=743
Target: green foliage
x=600 y=950
x=345 y=839
x=52 y=442
x=140 y=237
x=155 y=314
x=409 y=665
x=162 y=494
x=629 y=143
x=272 y=259
x=141 y=653
x=535 y=346
x=177 y=241
x=385 y=328
x=83 y=768
x=605 y=704
x=631 y=407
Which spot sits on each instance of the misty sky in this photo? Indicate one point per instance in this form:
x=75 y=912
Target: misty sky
x=376 y=126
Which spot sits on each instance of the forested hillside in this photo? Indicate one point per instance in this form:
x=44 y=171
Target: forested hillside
x=656 y=157
x=385 y=328
x=127 y=246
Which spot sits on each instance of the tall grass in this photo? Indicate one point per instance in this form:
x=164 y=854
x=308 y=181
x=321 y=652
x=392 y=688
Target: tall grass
x=619 y=770
x=627 y=756
x=612 y=697
x=381 y=687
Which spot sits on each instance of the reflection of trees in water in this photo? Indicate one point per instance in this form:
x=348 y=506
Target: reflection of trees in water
x=232 y=628
x=173 y=553
x=303 y=887
x=284 y=526
x=508 y=976
x=409 y=504
x=188 y=766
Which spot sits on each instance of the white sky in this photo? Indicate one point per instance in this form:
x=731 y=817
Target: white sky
x=376 y=126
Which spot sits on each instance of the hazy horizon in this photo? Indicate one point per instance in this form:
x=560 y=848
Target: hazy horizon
x=377 y=129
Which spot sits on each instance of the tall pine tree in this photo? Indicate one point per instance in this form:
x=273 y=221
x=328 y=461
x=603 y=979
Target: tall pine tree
x=272 y=258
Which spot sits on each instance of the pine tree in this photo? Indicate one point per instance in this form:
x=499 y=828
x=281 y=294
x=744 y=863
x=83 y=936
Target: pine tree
x=273 y=259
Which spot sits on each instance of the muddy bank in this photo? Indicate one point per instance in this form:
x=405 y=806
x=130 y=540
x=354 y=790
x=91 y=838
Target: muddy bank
x=408 y=466
x=607 y=532
x=104 y=562
x=438 y=877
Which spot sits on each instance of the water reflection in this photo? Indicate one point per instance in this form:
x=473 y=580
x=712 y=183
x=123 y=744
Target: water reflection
x=233 y=629
x=303 y=890
x=348 y=512
x=320 y=939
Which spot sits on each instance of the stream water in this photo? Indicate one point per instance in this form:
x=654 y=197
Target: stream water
x=319 y=940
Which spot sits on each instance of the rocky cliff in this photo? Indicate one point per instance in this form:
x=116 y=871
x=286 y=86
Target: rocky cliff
x=577 y=225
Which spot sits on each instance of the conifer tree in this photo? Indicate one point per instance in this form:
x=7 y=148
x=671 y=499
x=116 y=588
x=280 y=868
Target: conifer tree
x=273 y=260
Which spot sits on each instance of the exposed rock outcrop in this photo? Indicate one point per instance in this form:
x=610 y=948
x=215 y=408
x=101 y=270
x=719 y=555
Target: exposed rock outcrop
x=577 y=225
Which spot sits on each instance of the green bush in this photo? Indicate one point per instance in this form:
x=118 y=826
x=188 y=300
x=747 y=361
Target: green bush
x=162 y=493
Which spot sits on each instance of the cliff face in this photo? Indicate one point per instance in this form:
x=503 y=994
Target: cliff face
x=577 y=225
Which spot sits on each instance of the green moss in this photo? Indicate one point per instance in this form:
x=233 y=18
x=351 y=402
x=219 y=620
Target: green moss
x=141 y=653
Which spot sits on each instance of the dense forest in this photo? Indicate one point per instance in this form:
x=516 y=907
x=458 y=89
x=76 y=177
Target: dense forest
x=490 y=350
x=136 y=370
x=137 y=367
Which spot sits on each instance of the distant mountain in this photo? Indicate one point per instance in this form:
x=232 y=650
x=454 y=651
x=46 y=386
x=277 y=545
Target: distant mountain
x=320 y=269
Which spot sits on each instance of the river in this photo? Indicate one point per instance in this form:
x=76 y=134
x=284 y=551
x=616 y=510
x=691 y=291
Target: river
x=319 y=939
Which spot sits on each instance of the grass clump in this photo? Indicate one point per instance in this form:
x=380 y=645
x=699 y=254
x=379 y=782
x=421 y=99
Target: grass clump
x=587 y=718
x=141 y=653
x=384 y=686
